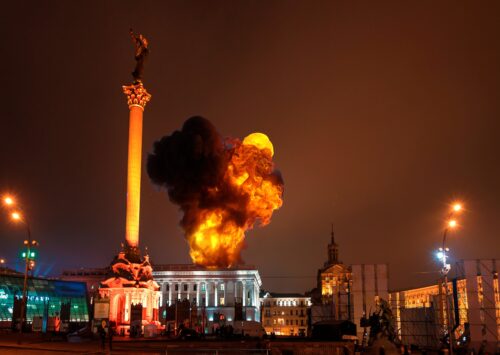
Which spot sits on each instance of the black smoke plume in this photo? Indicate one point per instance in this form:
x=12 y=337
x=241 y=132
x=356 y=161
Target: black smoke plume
x=191 y=164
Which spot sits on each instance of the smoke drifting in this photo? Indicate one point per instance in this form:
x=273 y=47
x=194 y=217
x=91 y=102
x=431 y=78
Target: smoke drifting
x=223 y=186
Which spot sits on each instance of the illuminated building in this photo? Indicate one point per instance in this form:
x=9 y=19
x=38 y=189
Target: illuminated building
x=347 y=292
x=47 y=300
x=473 y=296
x=231 y=293
x=285 y=313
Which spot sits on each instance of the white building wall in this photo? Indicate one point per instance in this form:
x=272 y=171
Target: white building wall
x=238 y=284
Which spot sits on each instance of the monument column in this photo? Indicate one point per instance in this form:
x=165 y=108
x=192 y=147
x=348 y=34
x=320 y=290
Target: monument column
x=137 y=98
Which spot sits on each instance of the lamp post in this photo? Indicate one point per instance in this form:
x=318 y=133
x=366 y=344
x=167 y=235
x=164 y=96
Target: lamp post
x=28 y=255
x=445 y=269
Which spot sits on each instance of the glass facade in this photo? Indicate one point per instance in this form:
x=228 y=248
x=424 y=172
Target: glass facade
x=45 y=298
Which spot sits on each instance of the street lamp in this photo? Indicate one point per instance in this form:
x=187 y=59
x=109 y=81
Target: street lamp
x=445 y=267
x=18 y=217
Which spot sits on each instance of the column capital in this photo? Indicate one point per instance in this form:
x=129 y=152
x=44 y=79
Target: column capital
x=137 y=95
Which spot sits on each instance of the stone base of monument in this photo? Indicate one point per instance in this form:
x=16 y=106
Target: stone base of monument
x=133 y=294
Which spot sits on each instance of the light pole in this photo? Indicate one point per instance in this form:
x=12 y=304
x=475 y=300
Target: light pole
x=28 y=255
x=445 y=269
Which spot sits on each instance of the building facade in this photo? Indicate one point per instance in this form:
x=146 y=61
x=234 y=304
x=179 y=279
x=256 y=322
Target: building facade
x=230 y=294
x=347 y=292
x=473 y=300
x=285 y=313
x=52 y=305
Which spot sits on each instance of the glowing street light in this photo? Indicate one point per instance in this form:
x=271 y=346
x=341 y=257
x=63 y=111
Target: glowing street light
x=442 y=255
x=8 y=201
x=28 y=255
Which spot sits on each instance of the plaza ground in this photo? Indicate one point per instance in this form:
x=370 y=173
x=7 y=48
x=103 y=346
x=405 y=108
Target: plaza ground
x=37 y=344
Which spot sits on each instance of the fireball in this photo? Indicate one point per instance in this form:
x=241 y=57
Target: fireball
x=218 y=238
x=224 y=186
x=259 y=140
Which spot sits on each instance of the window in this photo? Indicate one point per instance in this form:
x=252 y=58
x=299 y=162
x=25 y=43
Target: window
x=302 y=303
x=301 y=322
x=222 y=288
x=168 y=287
x=296 y=322
x=287 y=322
x=203 y=287
x=296 y=312
x=221 y=301
x=291 y=312
x=302 y=313
x=195 y=286
x=185 y=287
x=177 y=287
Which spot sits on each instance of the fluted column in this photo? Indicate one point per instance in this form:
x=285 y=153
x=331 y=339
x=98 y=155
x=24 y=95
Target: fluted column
x=169 y=293
x=206 y=294
x=198 y=294
x=216 y=289
x=244 y=293
x=137 y=98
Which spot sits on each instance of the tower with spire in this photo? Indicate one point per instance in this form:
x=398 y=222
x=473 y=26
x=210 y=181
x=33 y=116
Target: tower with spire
x=333 y=251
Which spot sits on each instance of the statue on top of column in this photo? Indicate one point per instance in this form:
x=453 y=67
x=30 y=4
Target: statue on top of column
x=141 y=53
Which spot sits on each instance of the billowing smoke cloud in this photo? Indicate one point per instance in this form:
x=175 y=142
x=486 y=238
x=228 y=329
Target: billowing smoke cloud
x=223 y=186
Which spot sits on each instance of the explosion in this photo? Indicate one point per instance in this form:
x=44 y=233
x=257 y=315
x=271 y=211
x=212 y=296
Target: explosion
x=223 y=186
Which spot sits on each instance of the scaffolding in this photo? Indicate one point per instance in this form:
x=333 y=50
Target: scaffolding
x=474 y=309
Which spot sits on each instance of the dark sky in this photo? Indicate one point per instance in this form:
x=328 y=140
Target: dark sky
x=381 y=113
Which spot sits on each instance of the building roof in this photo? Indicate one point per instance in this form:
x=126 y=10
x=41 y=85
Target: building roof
x=194 y=267
x=282 y=295
x=8 y=271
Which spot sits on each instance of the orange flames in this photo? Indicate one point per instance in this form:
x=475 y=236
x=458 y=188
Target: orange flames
x=218 y=237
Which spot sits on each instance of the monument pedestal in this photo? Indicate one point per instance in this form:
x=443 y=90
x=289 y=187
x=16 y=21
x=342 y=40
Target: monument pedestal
x=133 y=295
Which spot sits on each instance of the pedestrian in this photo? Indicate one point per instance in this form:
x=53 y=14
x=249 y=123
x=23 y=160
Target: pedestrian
x=102 y=335
x=110 y=337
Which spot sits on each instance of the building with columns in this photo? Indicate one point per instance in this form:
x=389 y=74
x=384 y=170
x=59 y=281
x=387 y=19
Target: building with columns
x=213 y=291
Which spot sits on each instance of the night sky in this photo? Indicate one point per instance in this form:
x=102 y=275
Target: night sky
x=381 y=114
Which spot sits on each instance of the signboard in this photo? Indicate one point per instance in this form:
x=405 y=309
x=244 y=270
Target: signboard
x=101 y=309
